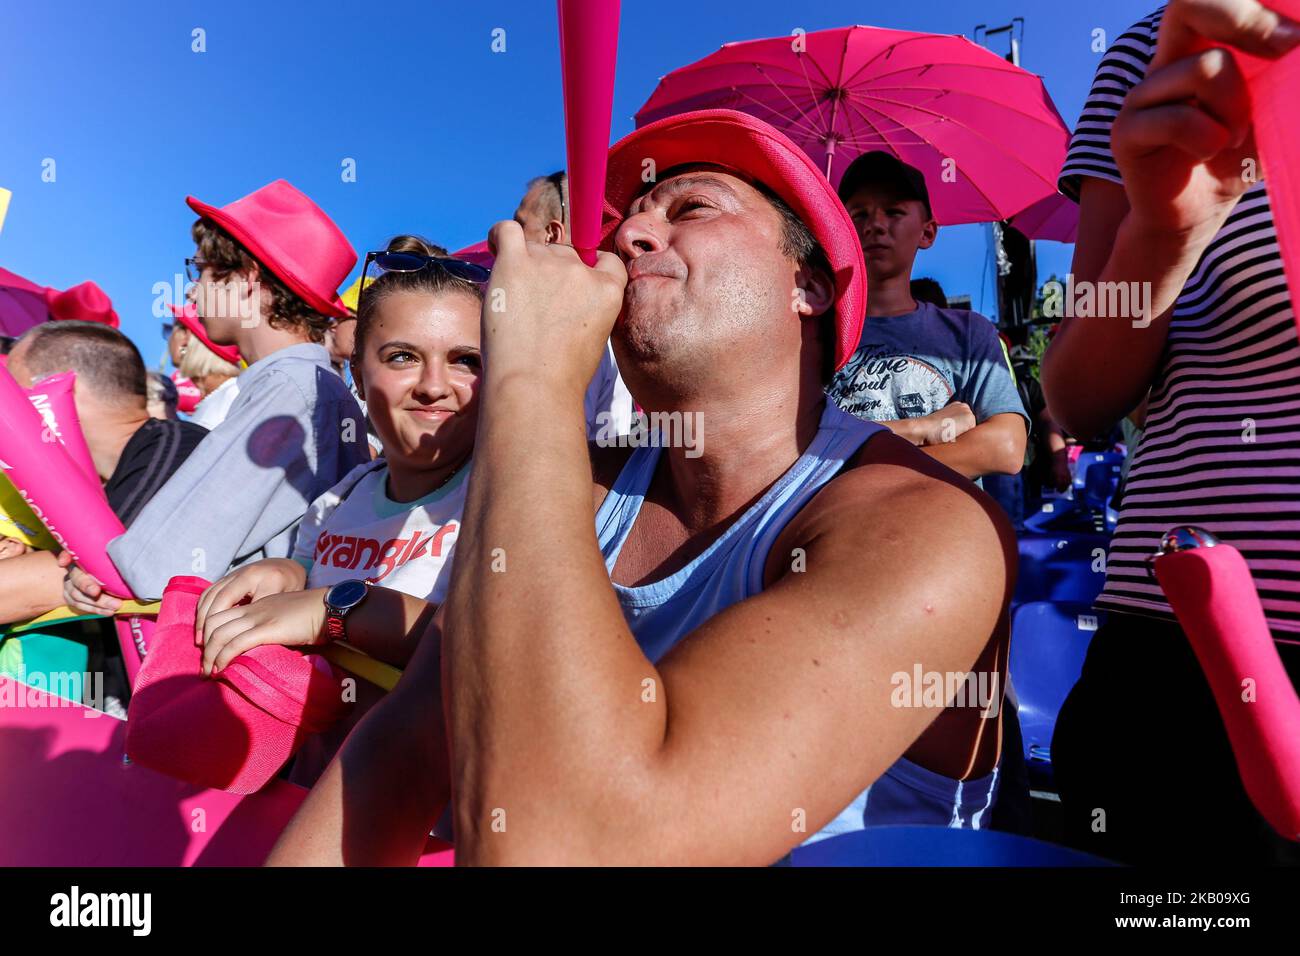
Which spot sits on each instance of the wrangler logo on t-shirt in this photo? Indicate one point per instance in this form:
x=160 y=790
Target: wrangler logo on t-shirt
x=352 y=552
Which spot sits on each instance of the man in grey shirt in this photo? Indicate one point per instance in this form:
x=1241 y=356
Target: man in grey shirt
x=937 y=377
x=295 y=429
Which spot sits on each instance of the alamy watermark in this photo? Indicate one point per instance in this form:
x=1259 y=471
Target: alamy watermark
x=654 y=430
x=38 y=690
x=941 y=689
x=1111 y=300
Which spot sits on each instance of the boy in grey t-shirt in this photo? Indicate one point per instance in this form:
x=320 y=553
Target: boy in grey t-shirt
x=937 y=377
x=265 y=275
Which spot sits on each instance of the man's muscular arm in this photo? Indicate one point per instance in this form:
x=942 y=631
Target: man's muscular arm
x=384 y=790
x=568 y=745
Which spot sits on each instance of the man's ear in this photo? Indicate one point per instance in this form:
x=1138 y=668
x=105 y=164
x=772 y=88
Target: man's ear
x=555 y=232
x=250 y=290
x=814 y=292
x=929 y=232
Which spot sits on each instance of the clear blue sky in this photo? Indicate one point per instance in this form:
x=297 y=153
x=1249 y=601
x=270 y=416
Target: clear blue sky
x=444 y=131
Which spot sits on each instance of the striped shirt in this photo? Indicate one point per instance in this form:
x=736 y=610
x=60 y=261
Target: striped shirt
x=1221 y=447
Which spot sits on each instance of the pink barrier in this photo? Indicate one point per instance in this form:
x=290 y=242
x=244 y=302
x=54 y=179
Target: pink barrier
x=54 y=398
x=588 y=51
x=66 y=500
x=69 y=799
x=1212 y=593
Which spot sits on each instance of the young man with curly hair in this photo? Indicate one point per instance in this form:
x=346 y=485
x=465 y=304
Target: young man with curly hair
x=266 y=272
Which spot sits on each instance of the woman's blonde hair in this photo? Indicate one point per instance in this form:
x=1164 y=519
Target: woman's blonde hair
x=199 y=362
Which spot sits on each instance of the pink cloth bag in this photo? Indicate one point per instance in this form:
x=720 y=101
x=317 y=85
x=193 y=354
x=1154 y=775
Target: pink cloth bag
x=232 y=732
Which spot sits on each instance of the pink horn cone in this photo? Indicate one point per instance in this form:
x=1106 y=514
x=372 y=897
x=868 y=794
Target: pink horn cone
x=588 y=52
x=1211 y=591
x=67 y=500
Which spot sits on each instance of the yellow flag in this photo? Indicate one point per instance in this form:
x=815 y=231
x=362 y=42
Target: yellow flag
x=4 y=204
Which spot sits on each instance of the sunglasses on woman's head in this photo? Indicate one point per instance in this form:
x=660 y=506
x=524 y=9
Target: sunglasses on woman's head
x=413 y=262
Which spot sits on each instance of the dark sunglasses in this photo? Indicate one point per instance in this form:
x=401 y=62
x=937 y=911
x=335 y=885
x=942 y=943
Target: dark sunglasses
x=411 y=262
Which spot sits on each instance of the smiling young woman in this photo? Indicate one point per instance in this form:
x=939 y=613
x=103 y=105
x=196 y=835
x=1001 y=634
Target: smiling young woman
x=372 y=559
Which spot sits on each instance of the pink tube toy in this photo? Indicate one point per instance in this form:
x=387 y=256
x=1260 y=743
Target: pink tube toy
x=1210 y=589
x=66 y=500
x=54 y=398
x=588 y=52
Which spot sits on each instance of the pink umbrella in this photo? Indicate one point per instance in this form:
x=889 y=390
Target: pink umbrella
x=588 y=50
x=985 y=134
x=1055 y=218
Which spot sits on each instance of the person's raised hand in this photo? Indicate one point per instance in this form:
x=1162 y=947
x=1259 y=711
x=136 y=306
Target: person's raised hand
x=294 y=619
x=1183 y=139
x=546 y=315
x=83 y=592
x=249 y=583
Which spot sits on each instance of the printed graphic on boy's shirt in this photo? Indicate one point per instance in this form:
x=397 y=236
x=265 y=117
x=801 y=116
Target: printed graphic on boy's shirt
x=879 y=383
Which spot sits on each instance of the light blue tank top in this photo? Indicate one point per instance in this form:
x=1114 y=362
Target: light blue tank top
x=731 y=570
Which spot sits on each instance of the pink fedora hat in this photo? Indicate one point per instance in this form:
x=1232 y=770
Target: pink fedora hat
x=86 y=302
x=292 y=237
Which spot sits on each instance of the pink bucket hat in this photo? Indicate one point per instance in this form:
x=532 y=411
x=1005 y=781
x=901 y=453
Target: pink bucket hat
x=86 y=302
x=747 y=145
x=293 y=238
x=232 y=732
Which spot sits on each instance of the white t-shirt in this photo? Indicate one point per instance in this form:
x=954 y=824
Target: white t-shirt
x=607 y=402
x=212 y=411
x=355 y=530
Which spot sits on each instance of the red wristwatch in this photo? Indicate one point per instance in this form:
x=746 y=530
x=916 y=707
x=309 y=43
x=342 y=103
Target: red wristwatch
x=340 y=600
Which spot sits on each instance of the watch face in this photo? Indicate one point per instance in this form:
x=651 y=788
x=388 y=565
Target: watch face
x=345 y=595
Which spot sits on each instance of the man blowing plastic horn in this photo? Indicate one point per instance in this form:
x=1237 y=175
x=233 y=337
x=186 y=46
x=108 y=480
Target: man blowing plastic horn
x=718 y=673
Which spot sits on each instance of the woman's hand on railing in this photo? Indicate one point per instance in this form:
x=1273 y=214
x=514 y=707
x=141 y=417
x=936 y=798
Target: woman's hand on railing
x=244 y=585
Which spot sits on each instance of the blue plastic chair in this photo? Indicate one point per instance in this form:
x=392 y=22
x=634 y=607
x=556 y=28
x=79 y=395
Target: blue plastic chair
x=1049 y=642
x=937 y=846
x=1100 y=484
x=1060 y=567
x=1087 y=459
x=1063 y=513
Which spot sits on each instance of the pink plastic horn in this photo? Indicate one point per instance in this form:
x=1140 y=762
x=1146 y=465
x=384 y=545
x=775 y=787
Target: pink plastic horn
x=54 y=398
x=69 y=503
x=1210 y=589
x=588 y=52
x=1273 y=91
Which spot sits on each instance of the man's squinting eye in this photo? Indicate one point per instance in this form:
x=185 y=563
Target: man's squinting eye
x=689 y=203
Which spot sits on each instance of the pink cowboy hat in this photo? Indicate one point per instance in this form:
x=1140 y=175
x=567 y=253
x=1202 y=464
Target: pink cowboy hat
x=292 y=237
x=740 y=142
x=188 y=316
